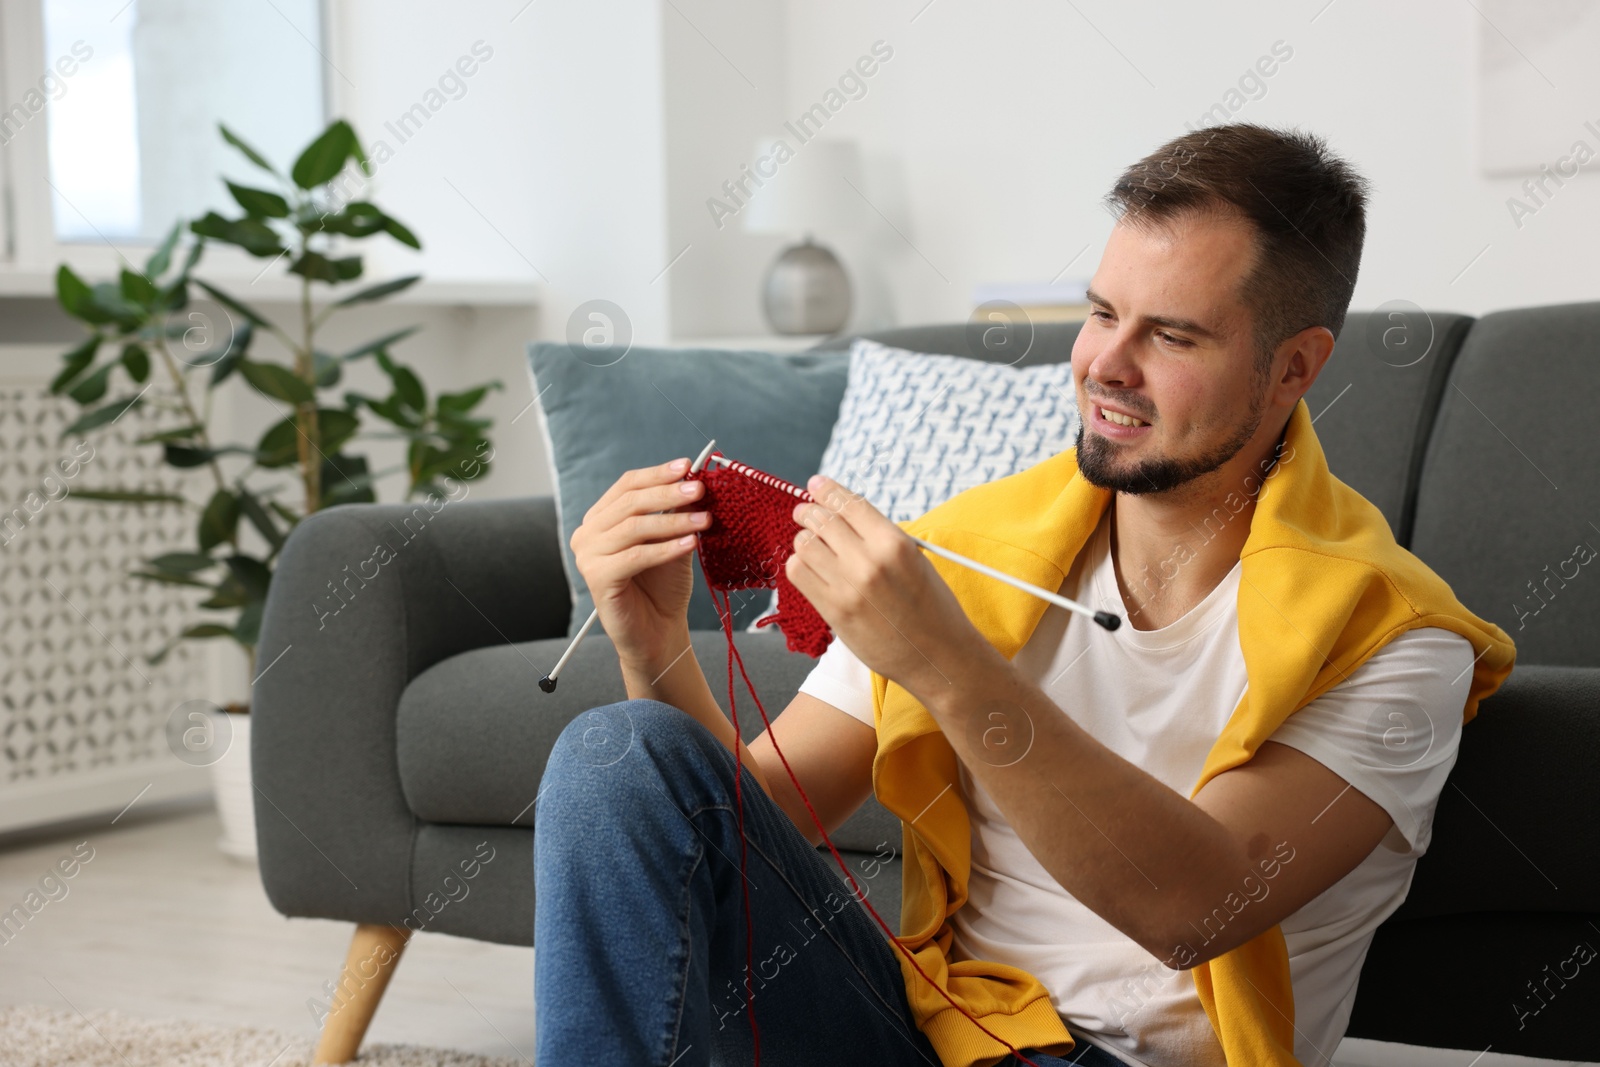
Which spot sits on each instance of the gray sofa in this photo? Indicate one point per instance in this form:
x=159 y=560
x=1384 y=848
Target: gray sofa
x=408 y=728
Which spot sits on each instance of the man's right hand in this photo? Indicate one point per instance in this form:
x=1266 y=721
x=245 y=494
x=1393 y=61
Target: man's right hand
x=636 y=562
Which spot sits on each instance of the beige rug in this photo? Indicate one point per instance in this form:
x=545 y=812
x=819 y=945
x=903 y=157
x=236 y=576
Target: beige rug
x=34 y=1036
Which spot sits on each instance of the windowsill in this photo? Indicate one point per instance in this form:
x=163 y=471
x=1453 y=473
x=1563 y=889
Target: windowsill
x=283 y=289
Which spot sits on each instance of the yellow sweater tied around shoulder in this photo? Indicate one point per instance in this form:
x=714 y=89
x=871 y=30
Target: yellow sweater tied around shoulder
x=1323 y=586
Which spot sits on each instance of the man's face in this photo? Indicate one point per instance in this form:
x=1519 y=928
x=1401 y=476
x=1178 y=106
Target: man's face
x=1168 y=348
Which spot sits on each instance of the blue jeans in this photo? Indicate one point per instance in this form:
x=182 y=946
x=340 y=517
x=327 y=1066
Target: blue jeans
x=639 y=928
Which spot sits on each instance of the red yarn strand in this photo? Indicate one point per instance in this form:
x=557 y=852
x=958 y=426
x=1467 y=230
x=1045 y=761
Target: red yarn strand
x=726 y=615
x=768 y=519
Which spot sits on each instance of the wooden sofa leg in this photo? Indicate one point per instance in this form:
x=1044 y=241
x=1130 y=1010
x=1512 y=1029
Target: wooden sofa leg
x=375 y=948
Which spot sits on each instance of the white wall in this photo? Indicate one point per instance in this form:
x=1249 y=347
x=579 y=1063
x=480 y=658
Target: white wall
x=724 y=73
x=549 y=166
x=1012 y=120
x=544 y=165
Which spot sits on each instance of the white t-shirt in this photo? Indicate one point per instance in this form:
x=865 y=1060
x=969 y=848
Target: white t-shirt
x=1160 y=698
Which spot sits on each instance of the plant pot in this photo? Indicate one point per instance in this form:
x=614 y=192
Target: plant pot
x=230 y=777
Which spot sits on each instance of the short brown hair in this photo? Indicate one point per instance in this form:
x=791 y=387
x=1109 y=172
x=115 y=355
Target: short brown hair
x=1307 y=206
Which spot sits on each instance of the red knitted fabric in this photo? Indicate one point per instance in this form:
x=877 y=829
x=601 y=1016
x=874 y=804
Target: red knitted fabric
x=750 y=538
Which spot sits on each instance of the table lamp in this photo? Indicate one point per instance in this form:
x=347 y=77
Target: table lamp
x=807 y=290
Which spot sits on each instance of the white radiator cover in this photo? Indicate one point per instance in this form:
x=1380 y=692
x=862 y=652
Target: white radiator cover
x=83 y=716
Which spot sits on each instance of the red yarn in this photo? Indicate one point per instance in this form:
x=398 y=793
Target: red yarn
x=752 y=531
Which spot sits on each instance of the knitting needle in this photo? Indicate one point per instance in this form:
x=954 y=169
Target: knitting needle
x=1103 y=618
x=548 y=682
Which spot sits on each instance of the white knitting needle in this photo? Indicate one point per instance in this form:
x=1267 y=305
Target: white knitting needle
x=548 y=682
x=1103 y=618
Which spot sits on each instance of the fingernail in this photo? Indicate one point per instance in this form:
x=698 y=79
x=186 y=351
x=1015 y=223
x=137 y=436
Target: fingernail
x=689 y=488
x=815 y=482
x=686 y=539
x=678 y=465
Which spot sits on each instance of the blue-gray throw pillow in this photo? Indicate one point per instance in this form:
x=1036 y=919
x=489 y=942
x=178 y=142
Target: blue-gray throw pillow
x=773 y=411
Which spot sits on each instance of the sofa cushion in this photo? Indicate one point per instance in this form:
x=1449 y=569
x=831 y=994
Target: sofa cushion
x=1508 y=510
x=1039 y=343
x=1521 y=1005
x=1512 y=875
x=1504 y=839
x=773 y=412
x=915 y=429
x=472 y=733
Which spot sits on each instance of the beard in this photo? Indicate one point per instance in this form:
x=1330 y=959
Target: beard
x=1097 y=459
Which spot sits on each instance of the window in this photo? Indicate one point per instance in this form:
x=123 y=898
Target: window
x=133 y=93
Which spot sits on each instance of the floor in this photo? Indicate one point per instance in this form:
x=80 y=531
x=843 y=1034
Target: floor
x=159 y=923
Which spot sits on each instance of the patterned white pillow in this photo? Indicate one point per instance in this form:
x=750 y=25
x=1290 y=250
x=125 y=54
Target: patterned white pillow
x=916 y=429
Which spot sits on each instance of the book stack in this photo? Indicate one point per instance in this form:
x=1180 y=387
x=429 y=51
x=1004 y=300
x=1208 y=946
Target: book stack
x=1040 y=301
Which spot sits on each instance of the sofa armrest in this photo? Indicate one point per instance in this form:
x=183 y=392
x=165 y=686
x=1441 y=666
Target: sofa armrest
x=365 y=598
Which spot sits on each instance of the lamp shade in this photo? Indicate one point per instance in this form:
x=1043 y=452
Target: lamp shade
x=809 y=187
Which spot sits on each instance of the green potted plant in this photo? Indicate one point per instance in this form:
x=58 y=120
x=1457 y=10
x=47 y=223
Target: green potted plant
x=138 y=347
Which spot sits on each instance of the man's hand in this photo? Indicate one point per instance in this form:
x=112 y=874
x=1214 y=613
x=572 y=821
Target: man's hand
x=634 y=550
x=871 y=583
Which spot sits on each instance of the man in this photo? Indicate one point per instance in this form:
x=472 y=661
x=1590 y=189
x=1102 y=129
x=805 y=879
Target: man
x=1167 y=845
